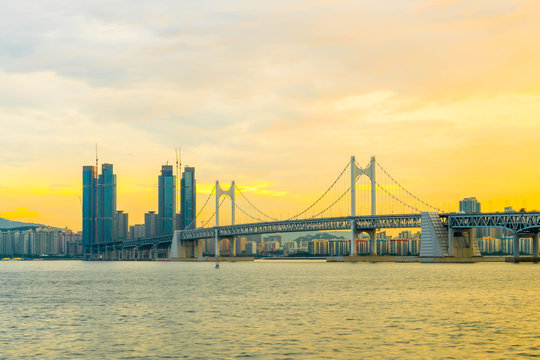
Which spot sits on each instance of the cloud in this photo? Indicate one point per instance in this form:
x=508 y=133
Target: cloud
x=278 y=93
x=19 y=213
x=261 y=189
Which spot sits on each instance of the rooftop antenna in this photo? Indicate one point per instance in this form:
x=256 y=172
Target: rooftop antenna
x=96 y=158
x=178 y=169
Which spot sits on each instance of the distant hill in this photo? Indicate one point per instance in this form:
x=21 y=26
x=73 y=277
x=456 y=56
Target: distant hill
x=322 y=235
x=6 y=224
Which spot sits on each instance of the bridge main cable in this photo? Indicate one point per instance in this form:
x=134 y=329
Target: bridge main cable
x=407 y=191
x=322 y=196
x=305 y=210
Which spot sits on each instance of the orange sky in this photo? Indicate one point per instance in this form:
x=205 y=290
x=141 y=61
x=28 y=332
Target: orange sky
x=276 y=96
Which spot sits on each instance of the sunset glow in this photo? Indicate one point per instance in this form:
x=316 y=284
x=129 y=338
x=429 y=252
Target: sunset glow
x=275 y=96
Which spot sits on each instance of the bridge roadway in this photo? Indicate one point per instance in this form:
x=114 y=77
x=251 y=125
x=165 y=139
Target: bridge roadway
x=522 y=223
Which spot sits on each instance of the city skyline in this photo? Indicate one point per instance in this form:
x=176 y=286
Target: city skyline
x=425 y=87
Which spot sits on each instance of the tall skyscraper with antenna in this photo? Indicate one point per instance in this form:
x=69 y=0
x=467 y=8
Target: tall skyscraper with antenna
x=188 y=199
x=98 y=204
x=89 y=205
x=166 y=201
x=106 y=203
x=177 y=193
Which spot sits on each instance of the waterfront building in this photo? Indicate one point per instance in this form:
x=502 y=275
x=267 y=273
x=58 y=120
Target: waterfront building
x=251 y=248
x=89 y=205
x=399 y=247
x=166 y=201
x=225 y=247
x=106 y=203
x=137 y=231
x=318 y=247
x=210 y=247
x=338 y=247
x=507 y=245
x=407 y=234
x=254 y=237
x=273 y=238
x=290 y=247
x=188 y=199
x=383 y=246
x=270 y=246
x=7 y=242
x=99 y=204
x=150 y=224
x=489 y=245
x=241 y=245
x=362 y=246
x=525 y=247
x=121 y=226
x=469 y=205
x=40 y=242
x=414 y=246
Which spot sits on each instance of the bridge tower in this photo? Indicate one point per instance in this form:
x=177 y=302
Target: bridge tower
x=356 y=172
x=230 y=193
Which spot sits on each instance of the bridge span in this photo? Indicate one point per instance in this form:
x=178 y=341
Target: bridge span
x=442 y=235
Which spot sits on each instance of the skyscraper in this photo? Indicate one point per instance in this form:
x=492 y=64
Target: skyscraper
x=106 y=203
x=121 y=226
x=99 y=204
x=469 y=205
x=89 y=205
x=150 y=223
x=167 y=201
x=188 y=198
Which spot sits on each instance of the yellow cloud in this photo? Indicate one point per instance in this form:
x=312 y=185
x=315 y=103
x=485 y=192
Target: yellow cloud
x=260 y=189
x=362 y=101
x=19 y=213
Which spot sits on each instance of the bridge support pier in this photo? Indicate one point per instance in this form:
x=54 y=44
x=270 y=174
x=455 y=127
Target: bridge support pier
x=216 y=244
x=181 y=249
x=354 y=235
x=373 y=239
x=535 y=245
x=516 y=245
x=233 y=246
x=156 y=255
x=139 y=253
x=450 y=241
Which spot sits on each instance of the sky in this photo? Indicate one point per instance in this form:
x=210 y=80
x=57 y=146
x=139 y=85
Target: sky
x=274 y=95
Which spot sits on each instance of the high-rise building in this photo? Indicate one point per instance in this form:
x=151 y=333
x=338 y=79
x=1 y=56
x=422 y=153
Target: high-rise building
x=167 y=201
x=188 y=199
x=136 y=231
x=150 y=224
x=89 y=205
x=121 y=226
x=469 y=205
x=240 y=245
x=106 y=204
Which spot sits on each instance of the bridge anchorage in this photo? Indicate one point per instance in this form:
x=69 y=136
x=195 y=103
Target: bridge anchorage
x=442 y=234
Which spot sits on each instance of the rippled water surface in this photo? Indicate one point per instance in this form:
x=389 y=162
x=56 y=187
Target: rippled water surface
x=268 y=310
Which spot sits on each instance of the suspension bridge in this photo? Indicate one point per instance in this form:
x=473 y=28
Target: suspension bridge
x=384 y=202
